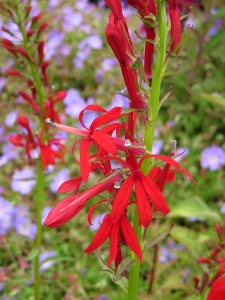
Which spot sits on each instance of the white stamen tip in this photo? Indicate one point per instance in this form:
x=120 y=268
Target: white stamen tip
x=173 y=145
x=50 y=123
x=117 y=185
x=127 y=143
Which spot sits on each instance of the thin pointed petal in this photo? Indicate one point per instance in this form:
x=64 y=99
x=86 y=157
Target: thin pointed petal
x=91 y=210
x=114 y=236
x=143 y=205
x=189 y=175
x=91 y=107
x=101 y=235
x=166 y=159
x=155 y=194
x=69 y=185
x=85 y=165
x=121 y=199
x=130 y=237
x=105 y=141
x=109 y=116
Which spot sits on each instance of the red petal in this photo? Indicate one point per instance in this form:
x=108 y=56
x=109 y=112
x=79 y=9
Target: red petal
x=155 y=173
x=217 y=291
x=105 y=141
x=85 y=165
x=91 y=107
x=114 y=236
x=188 y=174
x=130 y=237
x=109 y=116
x=63 y=211
x=91 y=210
x=100 y=236
x=143 y=205
x=155 y=194
x=121 y=199
x=166 y=159
x=111 y=127
x=69 y=185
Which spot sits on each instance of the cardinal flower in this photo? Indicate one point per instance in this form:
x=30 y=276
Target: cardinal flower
x=113 y=231
x=93 y=135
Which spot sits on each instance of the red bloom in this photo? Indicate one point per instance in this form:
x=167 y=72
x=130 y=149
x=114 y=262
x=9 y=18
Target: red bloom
x=175 y=26
x=113 y=231
x=50 y=111
x=217 y=291
x=93 y=135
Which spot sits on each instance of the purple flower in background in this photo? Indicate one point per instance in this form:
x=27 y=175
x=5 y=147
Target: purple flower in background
x=7 y=66
x=44 y=260
x=157 y=147
x=118 y=100
x=10 y=151
x=58 y=179
x=102 y=298
x=2 y=83
x=183 y=151
x=11 y=118
x=45 y=212
x=2 y=189
x=25 y=227
x=71 y=19
x=7 y=212
x=53 y=3
x=222 y=210
x=65 y=50
x=23 y=181
x=55 y=39
x=165 y=255
x=74 y=103
x=96 y=222
x=212 y=158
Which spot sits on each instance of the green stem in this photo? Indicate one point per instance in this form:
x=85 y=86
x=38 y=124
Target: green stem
x=149 y=131
x=134 y=270
x=156 y=81
x=40 y=197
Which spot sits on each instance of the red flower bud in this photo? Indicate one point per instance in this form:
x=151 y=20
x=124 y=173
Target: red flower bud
x=196 y=280
x=30 y=33
x=23 y=52
x=23 y=121
x=14 y=73
x=37 y=17
x=217 y=229
x=41 y=50
x=42 y=28
x=175 y=26
x=203 y=260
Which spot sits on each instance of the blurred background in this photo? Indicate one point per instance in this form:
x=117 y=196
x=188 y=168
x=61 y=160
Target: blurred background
x=193 y=115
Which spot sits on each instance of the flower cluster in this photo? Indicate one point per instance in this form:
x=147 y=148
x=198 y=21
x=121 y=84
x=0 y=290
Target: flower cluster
x=112 y=137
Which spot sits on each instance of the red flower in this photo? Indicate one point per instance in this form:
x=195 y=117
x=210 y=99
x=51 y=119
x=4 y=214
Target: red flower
x=217 y=291
x=113 y=231
x=93 y=135
x=50 y=111
x=69 y=207
x=175 y=26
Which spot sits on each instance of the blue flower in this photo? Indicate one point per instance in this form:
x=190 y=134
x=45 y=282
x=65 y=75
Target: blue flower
x=23 y=181
x=212 y=158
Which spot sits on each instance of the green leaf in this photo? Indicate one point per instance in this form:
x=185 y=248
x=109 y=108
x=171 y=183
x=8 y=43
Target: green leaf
x=125 y=264
x=161 y=236
x=188 y=238
x=194 y=207
x=215 y=99
x=34 y=253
